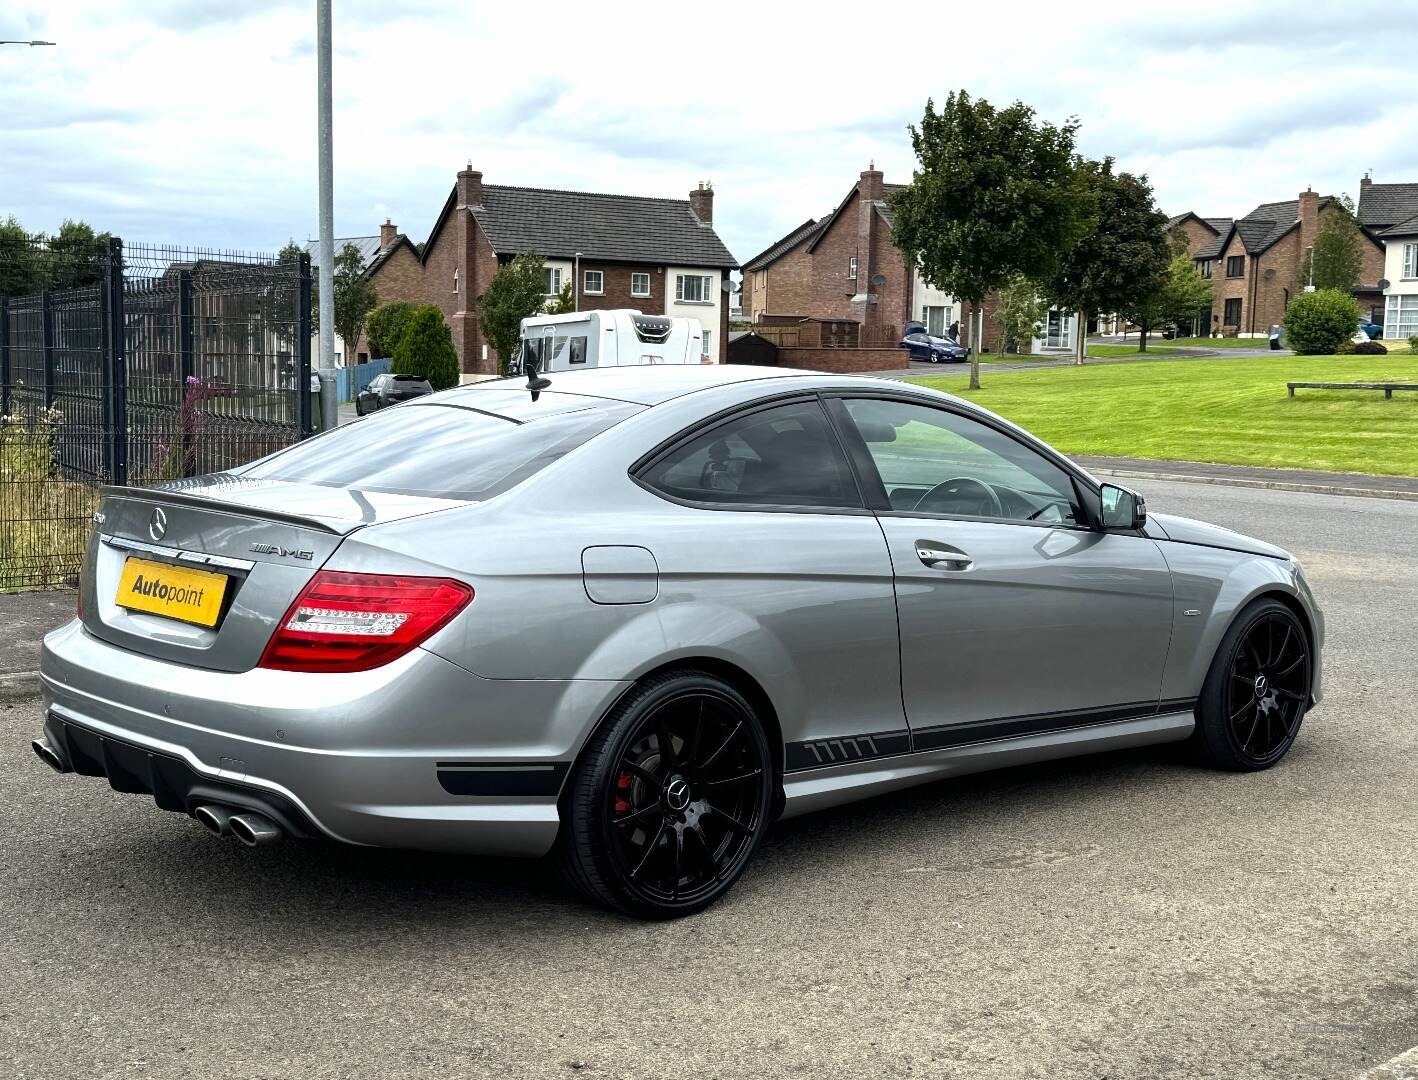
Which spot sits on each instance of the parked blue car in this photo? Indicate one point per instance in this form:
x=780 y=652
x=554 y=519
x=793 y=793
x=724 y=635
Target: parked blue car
x=935 y=350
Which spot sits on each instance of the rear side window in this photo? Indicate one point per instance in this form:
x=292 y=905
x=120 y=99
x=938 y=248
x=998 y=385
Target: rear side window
x=785 y=455
x=440 y=451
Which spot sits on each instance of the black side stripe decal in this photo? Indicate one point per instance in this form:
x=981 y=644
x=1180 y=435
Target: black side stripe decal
x=816 y=753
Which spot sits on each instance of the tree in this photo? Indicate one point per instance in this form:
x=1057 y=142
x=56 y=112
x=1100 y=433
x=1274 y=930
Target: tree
x=1316 y=323
x=426 y=349
x=1337 y=255
x=354 y=297
x=564 y=302
x=1121 y=258
x=1179 y=294
x=20 y=271
x=386 y=325
x=994 y=195
x=76 y=256
x=1020 y=312
x=516 y=291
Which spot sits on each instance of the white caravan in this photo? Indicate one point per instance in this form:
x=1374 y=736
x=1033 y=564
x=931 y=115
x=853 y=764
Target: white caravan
x=587 y=339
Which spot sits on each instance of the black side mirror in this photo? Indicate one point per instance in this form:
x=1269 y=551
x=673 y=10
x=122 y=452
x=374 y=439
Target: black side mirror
x=1122 y=508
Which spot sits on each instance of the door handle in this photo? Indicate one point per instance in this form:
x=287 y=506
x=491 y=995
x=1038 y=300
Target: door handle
x=942 y=558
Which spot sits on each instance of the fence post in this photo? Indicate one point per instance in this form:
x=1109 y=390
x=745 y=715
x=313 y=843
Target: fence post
x=107 y=419
x=117 y=363
x=302 y=348
x=186 y=370
x=46 y=322
x=4 y=356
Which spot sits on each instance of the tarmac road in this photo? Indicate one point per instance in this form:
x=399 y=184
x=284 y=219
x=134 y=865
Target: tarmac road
x=1119 y=916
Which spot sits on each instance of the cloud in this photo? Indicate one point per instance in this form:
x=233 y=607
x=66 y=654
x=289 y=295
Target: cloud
x=194 y=120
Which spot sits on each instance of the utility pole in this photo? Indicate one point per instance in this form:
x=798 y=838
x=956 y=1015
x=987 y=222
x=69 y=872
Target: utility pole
x=327 y=190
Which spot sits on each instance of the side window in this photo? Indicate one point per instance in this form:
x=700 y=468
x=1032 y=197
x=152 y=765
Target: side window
x=578 y=350
x=785 y=455
x=933 y=461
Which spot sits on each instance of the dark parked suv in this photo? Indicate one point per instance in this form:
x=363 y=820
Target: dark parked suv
x=386 y=390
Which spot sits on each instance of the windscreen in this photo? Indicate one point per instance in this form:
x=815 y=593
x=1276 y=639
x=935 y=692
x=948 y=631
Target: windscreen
x=437 y=450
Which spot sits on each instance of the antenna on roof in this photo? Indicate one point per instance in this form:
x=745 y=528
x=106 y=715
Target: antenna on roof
x=535 y=383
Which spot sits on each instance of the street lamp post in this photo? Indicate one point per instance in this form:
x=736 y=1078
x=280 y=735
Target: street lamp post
x=576 y=283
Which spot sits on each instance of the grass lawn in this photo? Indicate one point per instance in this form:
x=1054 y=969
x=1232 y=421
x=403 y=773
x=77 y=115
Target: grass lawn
x=1221 y=342
x=1127 y=350
x=1230 y=412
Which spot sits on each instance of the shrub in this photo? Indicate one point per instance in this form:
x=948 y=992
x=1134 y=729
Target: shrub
x=1344 y=348
x=1370 y=348
x=385 y=327
x=1413 y=344
x=426 y=349
x=1316 y=323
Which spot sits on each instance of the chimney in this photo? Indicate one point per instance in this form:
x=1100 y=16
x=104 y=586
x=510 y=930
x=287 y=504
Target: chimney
x=387 y=234
x=868 y=195
x=1309 y=219
x=701 y=202
x=1366 y=181
x=470 y=186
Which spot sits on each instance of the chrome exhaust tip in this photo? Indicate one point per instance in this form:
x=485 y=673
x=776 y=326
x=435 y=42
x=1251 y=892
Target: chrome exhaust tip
x=215 y=819
x=253 y=829
x=47 y=754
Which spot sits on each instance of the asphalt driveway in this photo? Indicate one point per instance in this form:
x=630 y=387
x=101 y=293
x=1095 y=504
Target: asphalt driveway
x=1119 y=916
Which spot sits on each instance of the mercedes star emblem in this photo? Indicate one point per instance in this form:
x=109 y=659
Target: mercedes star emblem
x=157 y=524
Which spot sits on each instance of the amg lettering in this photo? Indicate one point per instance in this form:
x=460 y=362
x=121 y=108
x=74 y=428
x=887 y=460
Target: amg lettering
x=290 y=553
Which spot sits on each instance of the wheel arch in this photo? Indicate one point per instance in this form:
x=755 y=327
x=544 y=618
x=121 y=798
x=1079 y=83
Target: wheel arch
x=731 y=673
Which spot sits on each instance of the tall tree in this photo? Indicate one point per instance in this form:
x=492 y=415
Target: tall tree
x=994 y=194
x=1179 y=294
x=1337 y=255
x=516 y=291
x=1122 y=257
x=354 y=298
x=426 y=349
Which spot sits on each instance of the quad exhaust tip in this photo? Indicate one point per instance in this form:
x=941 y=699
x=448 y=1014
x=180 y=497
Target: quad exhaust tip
x=253 y=829
x=215 y=819
x=47 y=754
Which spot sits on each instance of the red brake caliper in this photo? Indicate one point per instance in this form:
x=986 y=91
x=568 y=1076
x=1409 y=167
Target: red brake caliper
x=622 y=785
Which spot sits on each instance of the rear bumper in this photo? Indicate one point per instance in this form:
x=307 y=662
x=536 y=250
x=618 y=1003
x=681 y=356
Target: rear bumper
x=417 y=754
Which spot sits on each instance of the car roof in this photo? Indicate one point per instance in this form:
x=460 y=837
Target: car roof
x=652 y=384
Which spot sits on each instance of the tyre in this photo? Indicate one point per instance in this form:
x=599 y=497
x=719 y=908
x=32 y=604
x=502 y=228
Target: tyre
x=670 y=798
x=359 y=408
x=1257 y=690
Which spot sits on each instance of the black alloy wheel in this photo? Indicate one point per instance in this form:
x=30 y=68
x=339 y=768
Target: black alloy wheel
x=1257 y=690
x=670 y=799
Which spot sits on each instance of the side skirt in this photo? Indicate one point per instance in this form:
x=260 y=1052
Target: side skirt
x=812 y=789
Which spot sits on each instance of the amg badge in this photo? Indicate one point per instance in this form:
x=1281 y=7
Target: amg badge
x=284 y=552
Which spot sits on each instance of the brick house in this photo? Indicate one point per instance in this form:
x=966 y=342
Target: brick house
x=391 y=262
x=1256 y=262
x=1389 y=214
x=846 y=267
x=660 y=256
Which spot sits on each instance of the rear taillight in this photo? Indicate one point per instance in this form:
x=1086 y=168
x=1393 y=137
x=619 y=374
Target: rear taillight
x=354 y=622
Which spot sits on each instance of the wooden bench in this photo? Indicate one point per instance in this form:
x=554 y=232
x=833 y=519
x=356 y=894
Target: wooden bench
x=1387 y=388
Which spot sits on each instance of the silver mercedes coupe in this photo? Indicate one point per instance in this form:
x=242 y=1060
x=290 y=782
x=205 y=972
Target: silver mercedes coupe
x=634 y=616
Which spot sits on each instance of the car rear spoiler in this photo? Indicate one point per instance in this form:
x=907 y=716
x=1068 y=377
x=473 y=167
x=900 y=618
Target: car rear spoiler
x=205 y=502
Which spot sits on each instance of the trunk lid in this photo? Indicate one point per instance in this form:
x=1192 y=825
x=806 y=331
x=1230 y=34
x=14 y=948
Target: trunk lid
x=262 y=539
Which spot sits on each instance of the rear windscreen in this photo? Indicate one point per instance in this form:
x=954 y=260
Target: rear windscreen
x=441 y=451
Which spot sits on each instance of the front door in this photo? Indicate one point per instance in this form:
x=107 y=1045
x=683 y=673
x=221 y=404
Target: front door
x=1015 y=616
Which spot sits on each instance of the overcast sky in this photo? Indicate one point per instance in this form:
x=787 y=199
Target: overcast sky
x=193 y=121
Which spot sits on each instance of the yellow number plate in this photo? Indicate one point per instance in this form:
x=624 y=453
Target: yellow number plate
x=193 y=596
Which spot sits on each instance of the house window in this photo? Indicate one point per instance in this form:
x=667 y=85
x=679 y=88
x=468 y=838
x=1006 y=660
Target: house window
x=1232 y=315
x=455 y=280
x=935 y=320
x=1205 y=267
x=551 y=280
x=595 y=282
x=693 y=288
x=708 y=337
x=1410 y=260
x=639 y=284
x=1235 y=266
x=1401 y=319
x=852 y=268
